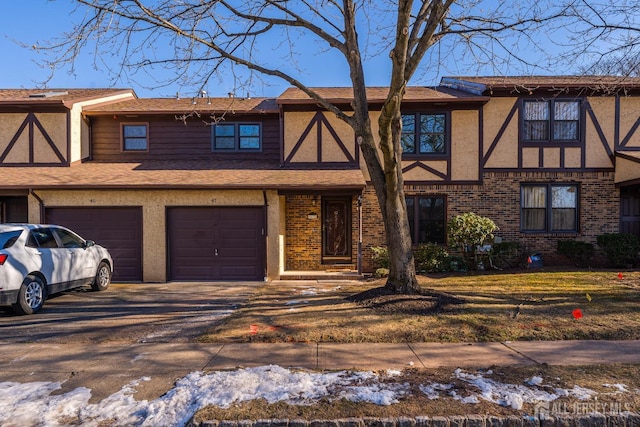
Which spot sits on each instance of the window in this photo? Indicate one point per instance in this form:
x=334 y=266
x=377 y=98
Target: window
x=8 y=238
x=134 y=137
x=552 y=120
x=42 y=238
x=237 y=137
x=68 y=239
x=549 y=208
x=423 y=133
x=426 y=219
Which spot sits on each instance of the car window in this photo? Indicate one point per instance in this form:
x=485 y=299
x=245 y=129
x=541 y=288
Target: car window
x=68 y=239
x=43 y=238
x=8 y=238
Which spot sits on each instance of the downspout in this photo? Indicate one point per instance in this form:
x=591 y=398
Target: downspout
x=40 y=202
x=265 y=233
x=359 y=262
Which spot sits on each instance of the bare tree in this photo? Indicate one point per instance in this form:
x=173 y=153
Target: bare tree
x=199 y=39
x=604 y=37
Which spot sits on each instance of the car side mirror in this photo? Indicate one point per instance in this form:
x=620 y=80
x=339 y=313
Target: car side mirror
x=89 y=243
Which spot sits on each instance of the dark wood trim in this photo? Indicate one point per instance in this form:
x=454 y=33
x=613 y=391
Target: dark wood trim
x=535 y=169
x=320 y=120
x=300 y=140
x=616 y=126
x=15 y=138
x=480 y=142
x=500 y=134
x=337 y=139
x=46 y=136
x=319 y=140
x=627 y=157
x=338 y=192
x=427 y=168
x=596 y=124
x=281 y=136
x=432 y=182
x=627 y=138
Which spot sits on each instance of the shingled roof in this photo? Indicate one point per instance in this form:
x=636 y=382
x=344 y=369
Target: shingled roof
x=63 y=97
x=344 y=95
x=186 y=105
x=530 y=84
x=180 y=174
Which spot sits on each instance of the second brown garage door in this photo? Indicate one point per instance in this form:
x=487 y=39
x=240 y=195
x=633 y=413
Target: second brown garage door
x=216 y=243
x=119 y=229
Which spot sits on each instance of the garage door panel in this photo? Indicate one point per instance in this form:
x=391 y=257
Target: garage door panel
x=119 y=229
x=215 y=243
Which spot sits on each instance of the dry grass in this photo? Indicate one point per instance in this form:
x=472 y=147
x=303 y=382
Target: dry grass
x=524 y=305
x=417 y=404
x=498 y=307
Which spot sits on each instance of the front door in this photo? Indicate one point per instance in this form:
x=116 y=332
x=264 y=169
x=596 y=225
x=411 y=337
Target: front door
x=630 y=210
x=336 y=232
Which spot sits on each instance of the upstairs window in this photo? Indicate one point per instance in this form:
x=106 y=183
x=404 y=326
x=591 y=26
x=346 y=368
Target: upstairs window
x=237 y=137
x=426 y=219
x=135 y=137
x=424 y=133
x=549 y=208
x=552 y=121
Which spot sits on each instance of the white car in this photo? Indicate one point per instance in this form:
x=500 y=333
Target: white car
x=40 y=260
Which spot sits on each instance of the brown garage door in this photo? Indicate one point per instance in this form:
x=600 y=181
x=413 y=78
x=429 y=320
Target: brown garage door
x=216 y=243
x=118 y=229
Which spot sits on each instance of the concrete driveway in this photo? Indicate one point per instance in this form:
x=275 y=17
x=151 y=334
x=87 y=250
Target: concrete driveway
x=128 y=313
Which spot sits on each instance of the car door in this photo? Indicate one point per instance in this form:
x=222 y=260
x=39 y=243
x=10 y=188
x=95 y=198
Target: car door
x=83 y=261
x=51 y=260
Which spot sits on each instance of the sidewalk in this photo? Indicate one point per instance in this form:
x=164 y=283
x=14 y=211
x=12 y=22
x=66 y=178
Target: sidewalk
x=106 y=368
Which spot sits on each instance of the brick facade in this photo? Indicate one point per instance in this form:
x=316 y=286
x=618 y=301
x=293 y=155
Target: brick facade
x=304 y=234
x=498 y=198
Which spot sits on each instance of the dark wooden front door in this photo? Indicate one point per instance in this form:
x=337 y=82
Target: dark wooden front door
x=216 y=243
x=336 y=230
x=630 y=210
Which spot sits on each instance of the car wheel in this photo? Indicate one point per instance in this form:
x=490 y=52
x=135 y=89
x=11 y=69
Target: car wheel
x=103 y=277
x=31 y=296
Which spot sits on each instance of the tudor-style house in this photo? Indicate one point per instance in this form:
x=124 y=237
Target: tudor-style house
x=265 y=188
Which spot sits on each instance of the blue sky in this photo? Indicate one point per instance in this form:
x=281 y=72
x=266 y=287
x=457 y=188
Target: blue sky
x=31 y=21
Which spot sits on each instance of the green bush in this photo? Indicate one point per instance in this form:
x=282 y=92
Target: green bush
x=619 y=248
x=430 y=258
x=470 y=230
x=380 y=256
x=579 y=253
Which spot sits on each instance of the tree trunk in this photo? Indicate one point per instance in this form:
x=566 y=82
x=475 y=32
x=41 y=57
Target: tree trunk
x=388 y=184
x=386 y=175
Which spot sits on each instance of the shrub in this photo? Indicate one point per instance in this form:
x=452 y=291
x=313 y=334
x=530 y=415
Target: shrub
x=619 y=248
x=579 y=253
x=380 y=256
x=430 y=258
x=470 y=230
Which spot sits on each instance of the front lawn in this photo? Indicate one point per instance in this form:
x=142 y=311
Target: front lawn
x=523 y=305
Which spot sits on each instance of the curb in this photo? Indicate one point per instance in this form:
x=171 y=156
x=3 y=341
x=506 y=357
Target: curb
x=628 y=419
